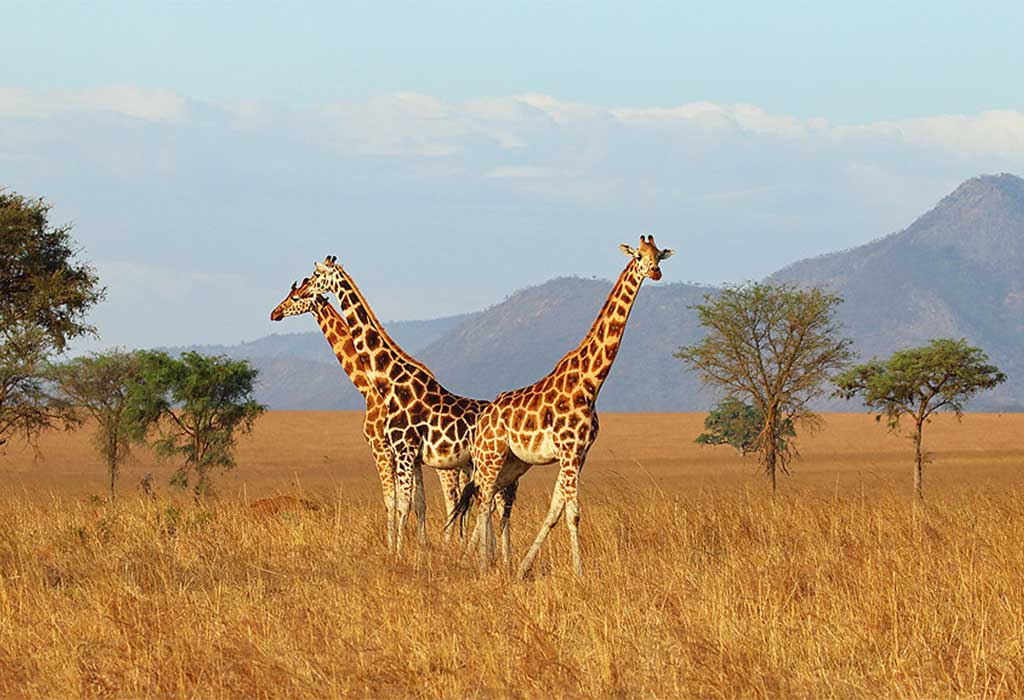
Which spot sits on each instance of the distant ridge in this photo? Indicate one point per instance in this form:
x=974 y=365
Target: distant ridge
x=957 y=271
x=298 y=371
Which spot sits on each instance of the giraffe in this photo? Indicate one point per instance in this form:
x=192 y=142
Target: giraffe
x=424 y=423
x=337 y=334
x=553 y=420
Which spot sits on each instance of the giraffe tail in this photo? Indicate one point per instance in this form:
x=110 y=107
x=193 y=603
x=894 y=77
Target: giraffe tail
x=461 y=509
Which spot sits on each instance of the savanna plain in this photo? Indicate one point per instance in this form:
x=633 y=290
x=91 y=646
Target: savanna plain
x=698 y=583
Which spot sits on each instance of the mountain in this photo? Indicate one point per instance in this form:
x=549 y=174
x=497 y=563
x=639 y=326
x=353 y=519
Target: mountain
x=298 y=371
x=520 y=340
x=957 y=271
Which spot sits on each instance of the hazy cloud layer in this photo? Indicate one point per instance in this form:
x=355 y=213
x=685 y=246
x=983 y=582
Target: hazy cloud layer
x=200 y=215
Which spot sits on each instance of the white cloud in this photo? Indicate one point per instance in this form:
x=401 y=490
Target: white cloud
x=525 y=172
x=738 y=189
x=127 y=100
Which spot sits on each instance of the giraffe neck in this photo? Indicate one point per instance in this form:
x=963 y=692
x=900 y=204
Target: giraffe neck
x=380 y=354
x=597 y=351
x=337 y=334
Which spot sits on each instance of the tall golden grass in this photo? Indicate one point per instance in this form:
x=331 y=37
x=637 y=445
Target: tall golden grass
x=696 y=586
x=711 y=595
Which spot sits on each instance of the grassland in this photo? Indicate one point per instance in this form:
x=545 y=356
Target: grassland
x=699 y=584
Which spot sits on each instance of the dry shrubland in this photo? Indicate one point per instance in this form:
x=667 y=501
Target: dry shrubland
x=695 y=587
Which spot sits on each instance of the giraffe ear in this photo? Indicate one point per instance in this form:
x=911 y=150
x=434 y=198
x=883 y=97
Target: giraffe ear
x=627 y=250
x=667 y=253
x=321 y=267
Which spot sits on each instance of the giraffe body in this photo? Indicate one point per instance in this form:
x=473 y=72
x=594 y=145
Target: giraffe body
x=336 y=332
x=554 y=419
x=422 y=423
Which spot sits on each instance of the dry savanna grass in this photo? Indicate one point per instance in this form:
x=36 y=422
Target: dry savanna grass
x=699 y=584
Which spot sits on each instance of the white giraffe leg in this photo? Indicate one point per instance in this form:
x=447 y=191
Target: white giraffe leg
x=572 y=517
x=506 y=499
x=389 y=511
x=386 y=471
x=420 y=503
x=564 y=490
x=449 y=480
x=484 y=531
x=404 y=485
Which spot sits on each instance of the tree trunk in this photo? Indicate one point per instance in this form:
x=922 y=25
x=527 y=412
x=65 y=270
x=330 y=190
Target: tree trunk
x=112 y=466
x=770 y=444
x=918 y=462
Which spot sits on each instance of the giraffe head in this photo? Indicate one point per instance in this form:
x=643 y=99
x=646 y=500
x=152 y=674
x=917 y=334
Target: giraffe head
x=326 y=276
x=648 y=257
x=296 y=304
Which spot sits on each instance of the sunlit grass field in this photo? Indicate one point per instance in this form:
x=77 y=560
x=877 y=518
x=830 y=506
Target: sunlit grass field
x=699 y=583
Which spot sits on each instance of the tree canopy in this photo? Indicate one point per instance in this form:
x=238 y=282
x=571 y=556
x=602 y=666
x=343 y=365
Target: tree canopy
x=776 y=346
x=45 y=294
x=732 y=422
x=917 y=382
x=196 y=404
x=103 y=386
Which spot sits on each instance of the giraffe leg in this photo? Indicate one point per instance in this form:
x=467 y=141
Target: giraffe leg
x=449 y=480
x=485 y=530
x=572 y=516
x=506 y=499
x=404 y=485
x=563 y=493
x=389 y=511
x=386 y=472
x=420 y=503
x=465 y=476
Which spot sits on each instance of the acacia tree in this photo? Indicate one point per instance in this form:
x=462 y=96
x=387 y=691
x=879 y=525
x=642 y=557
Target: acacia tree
x=45 y=293
x=775 y=346
x=732 y=422
x=195 y=405
x=916 y=383
x=103 y=387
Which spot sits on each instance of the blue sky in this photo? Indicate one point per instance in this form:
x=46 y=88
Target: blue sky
x=451 y=153
x=848 y=61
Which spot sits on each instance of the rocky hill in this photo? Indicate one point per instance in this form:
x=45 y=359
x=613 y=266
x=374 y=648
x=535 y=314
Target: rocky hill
x=957 y=271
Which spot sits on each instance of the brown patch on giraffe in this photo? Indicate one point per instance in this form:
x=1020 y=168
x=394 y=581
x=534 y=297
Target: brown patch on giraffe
x=530 y=424
x=547 y=418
